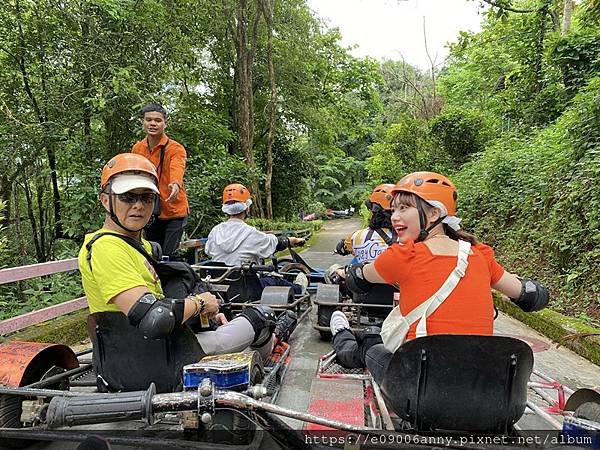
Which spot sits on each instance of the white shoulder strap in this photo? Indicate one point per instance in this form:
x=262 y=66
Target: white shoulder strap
x=425 y=309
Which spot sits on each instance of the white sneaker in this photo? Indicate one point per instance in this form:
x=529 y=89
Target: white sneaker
x=302 y=281
x=338 y=322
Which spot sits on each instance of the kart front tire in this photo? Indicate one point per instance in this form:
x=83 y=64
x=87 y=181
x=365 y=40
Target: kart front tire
x=323 y=318
x=589 y=411
x=325 y=335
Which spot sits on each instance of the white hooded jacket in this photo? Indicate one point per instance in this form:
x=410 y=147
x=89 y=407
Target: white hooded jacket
x=234 y=242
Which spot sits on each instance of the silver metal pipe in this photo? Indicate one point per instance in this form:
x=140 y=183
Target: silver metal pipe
x=382 y=407
x=542 y=393
x=305 y=313
x=33 y=392
x=175 y=401
x=227 y=398
x=352 y=376
x=328 y=359
x=547 y=417
x=550 y=380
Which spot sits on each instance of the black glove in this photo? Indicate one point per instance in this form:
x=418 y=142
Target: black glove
x=340 y=248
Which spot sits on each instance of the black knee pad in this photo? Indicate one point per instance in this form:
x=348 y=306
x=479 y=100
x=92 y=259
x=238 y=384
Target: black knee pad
x=262 y=318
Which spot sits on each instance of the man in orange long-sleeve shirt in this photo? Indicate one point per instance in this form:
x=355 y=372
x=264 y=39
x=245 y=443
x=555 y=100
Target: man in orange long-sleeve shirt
x=168 y=156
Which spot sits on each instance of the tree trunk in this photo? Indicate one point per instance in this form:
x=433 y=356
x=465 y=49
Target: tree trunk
x=42 y=119
x=21 y=246
x=42 y=220
x=567 y=15
x=48 y=141
x=539 y=47
x=87 y=86
x=267 y=8
x=34 y=229
x=245 y=113
x=5 y=195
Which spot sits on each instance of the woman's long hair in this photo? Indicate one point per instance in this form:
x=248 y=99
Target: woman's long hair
x=409 y=199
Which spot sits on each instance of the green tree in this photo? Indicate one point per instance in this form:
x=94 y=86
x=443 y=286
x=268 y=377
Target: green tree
x=460 y=133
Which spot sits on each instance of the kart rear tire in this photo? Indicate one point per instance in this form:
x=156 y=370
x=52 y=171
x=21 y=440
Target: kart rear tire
x=10 y=417
x=588 y=411
x=283 y=261
x=292 y=268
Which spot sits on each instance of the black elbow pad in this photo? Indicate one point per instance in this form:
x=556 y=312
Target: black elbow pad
x=282 y=243
x=355 y=280
x=534 y=296
x=156 y=319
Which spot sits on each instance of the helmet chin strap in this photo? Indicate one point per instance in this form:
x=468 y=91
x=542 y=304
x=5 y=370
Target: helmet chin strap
x=114 y=217
x=424 y=232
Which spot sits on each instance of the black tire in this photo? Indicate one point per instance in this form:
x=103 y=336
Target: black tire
x=325 y=335
x=283 y=261
x=323 y=318
x=10 y=417
x=294 y=268
x=589 y=411
x=11 y=406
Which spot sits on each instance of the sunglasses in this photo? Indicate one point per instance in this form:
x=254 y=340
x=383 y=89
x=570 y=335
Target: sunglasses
x=132 y=197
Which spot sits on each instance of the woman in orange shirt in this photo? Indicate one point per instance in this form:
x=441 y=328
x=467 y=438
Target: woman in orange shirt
x=423 y=217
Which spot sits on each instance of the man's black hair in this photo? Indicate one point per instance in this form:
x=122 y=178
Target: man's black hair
x=153 y=107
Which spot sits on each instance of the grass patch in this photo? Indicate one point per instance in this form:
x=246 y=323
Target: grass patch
x=70 y=329
x=571 y=333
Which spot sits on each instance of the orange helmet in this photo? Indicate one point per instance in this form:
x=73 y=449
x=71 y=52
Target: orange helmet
x=382 y=195
x=235 y=193
x=127 y=162
x=429 y=186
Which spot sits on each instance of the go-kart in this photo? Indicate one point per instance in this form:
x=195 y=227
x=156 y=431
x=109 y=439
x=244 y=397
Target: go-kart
x=456 y=391
x=329 y=295
x=239 y=287
x=294 y=264
x=452 y=391
x=361 y=310
x=46 y=388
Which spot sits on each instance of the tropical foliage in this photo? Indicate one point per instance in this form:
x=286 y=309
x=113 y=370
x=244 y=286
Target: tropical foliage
x=262 y=93
x=519 y=133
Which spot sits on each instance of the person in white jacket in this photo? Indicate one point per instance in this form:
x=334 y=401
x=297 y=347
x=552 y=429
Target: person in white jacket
x=234 y=242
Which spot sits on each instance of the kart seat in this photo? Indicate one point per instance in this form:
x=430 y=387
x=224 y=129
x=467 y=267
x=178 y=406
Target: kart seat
x=459 y=383
x=124 y=361
x=245 y=288
x=379 y=294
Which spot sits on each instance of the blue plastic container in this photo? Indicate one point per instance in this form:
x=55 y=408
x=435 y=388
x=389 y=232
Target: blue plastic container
x=581 y=432
x=231 y=371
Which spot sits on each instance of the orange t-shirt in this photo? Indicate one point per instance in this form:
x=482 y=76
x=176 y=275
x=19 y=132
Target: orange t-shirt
x=172 y=170
x=419 y=274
